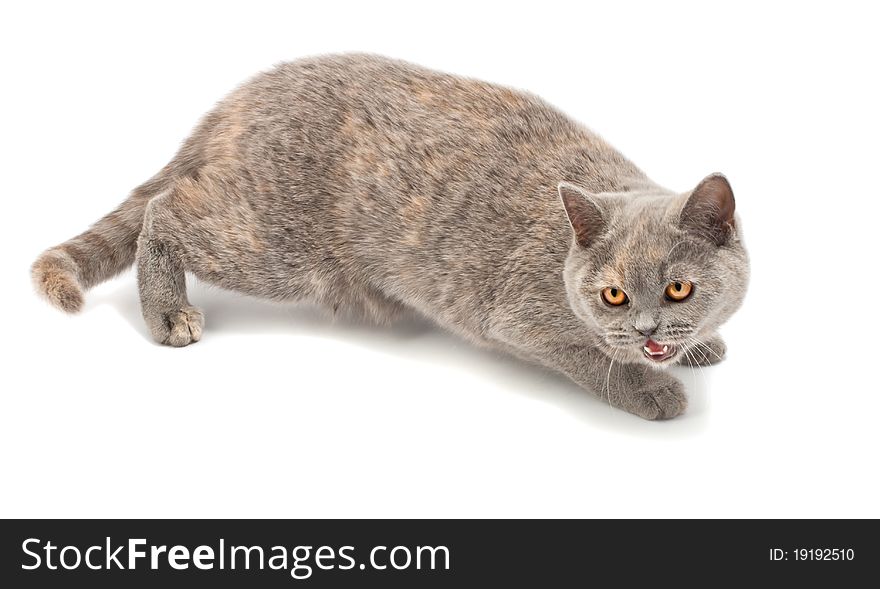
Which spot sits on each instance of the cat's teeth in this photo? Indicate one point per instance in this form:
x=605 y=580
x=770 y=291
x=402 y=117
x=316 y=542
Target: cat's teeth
x=651 y=352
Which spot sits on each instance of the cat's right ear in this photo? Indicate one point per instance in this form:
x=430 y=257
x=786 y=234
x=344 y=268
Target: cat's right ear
x=584 y=213
x=708 y=211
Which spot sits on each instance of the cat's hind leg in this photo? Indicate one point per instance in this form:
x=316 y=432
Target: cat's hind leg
x=161 y=279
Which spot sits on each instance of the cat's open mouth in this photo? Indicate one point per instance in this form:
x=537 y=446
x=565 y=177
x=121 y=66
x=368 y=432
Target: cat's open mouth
x=658 y=352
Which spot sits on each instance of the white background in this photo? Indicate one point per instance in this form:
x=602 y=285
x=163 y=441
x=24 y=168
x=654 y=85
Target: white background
x=280 y=411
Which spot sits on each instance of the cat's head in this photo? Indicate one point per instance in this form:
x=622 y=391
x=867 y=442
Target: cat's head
x=652 y=273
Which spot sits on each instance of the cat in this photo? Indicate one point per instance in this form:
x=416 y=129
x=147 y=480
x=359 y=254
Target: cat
x=375 y=186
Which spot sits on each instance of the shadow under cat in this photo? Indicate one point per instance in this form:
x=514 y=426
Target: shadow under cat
x=416 y=338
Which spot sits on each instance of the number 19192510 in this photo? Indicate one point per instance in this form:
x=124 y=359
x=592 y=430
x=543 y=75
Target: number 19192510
x=824 y=554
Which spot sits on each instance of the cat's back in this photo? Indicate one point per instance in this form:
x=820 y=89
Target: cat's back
x=376 y=83
x=339 y=100
x=375 y=120
x=388 y=143
x=360 y=115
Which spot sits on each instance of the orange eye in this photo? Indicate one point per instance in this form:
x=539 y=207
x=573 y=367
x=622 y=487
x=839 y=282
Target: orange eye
x=679 y=290
x=614 y=296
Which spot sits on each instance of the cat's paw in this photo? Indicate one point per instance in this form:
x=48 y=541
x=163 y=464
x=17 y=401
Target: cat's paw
x=183 y=327
x=661 y=398
x=707 y=352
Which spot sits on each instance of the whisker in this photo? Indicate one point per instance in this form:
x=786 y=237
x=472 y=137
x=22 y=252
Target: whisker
x=619 y=392
x=691 y=361
x=708 y=348
x=608 y=379
x=702 y=374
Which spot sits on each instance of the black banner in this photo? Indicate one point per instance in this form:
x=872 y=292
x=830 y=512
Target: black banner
x=434 y=553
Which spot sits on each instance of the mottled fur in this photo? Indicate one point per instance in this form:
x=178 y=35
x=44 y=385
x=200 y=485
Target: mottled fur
x=376 y=186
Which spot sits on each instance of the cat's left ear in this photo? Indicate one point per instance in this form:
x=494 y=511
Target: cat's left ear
x=709 y=210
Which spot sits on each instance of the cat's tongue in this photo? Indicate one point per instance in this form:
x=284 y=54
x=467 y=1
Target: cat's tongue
x=658 y=352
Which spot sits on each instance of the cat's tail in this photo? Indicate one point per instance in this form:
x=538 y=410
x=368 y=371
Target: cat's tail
x=63 y=273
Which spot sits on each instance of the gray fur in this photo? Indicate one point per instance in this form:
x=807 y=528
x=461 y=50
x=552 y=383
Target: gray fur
x=376 y=186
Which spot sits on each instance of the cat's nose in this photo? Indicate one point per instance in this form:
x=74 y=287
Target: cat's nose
x=646 y=323
x=646 y=331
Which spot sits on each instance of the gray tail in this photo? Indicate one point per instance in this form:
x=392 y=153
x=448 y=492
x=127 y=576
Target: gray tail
x=63 y=273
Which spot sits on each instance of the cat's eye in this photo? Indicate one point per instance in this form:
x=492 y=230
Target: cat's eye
x=614 y=296
x=679 y=290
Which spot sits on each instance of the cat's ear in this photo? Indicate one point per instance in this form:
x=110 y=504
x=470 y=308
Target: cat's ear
x=584 y=213
x=708 y=211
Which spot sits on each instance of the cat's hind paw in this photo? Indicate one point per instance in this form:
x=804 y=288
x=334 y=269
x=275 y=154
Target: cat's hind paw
x=183 y=327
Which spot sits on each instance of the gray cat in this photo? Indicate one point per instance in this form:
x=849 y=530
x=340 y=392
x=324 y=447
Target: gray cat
x=376 y=186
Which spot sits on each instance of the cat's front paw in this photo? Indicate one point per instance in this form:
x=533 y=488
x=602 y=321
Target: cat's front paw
x=705 y=353
x=661 y=398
